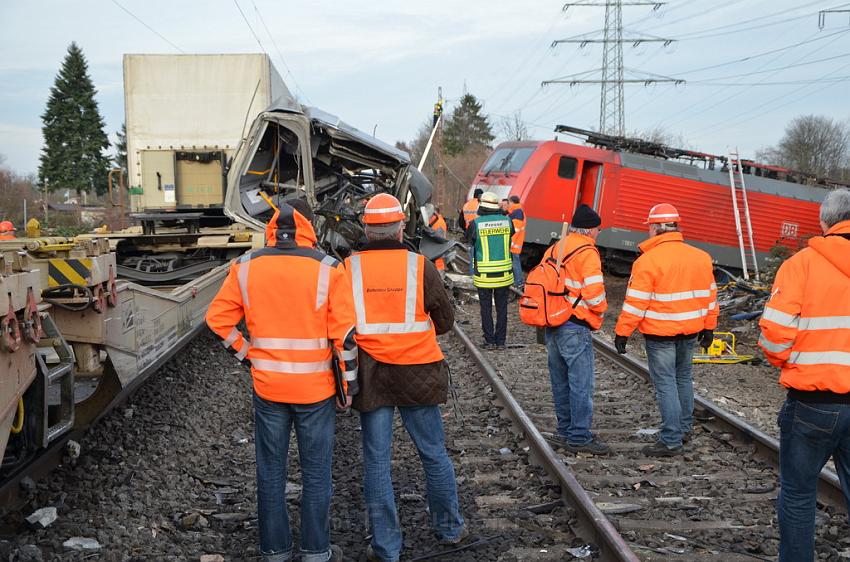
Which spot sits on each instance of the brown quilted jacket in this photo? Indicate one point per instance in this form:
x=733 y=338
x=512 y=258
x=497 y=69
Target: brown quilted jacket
x=383 y=384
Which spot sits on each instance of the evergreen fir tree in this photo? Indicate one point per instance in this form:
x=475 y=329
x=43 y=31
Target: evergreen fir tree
x=74 y=139
x=466 y=127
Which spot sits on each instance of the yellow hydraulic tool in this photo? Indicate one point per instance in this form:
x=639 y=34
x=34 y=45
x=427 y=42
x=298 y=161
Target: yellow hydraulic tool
x=721 y=351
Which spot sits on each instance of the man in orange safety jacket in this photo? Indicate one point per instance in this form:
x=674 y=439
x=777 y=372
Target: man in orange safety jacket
x=297 y=306
x=401 y=306
x=570 y=345
x=517 y=216
x=441 y=229
x=468 y=214
x=805 y=330
x=672 y=300
x=7 y=230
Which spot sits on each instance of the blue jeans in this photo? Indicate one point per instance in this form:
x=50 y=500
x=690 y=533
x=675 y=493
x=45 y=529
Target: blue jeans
x=425 y=427
x=486 y=298
x=516 y=263
x=570 y=356
x=670 y=370
x=808 y=435
x=314 y=429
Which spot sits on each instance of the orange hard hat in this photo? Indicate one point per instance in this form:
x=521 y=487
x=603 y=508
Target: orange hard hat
x=382 y=209
x=661 y=213
x=7 y=226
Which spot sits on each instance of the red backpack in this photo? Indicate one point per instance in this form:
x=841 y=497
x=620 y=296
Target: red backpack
x=545 y=300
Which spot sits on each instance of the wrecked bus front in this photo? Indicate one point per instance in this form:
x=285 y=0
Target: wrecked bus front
x=293 y=151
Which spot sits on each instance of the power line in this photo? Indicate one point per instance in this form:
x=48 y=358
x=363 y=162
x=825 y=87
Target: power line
x=777 y=83
x=784 y=96
x=765 y=53
x=707 y=32
x=260 y=43
x=786 y=67
x=513 y=78
x=157 y=33
x=689 y=113
x=684 y=18
x=279 y=54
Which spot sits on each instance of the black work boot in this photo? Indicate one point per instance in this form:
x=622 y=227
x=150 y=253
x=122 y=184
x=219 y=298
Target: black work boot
x=660 y=449
x=594 y=447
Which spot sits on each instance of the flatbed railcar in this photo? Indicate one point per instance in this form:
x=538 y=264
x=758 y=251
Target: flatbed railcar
x=623 y=178
x=77 y=336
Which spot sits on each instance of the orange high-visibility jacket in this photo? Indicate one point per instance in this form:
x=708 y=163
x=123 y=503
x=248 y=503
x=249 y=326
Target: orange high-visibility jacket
x=517 y=216
x=296 y=302
x=583 y=277
x=440 y=228
x=671 y=291
x=805 y=328
x=470 y=211
x=389 y=301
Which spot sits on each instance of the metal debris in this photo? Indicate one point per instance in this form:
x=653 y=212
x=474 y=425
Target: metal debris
x=81 y=543
x=43 y=518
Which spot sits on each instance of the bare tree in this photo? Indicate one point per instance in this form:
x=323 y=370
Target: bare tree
x=814 y=144
x=513 y=128
x=660 y=135
x=14 y=189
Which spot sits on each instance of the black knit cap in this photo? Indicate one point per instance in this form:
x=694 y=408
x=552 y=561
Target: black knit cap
x=585 y=217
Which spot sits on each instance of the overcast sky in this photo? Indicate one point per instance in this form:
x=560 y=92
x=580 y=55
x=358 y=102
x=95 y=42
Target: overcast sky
x=380 y=62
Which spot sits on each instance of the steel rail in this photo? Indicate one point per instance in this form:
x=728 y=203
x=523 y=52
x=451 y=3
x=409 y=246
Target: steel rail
x=593 y=525
x=767 y=447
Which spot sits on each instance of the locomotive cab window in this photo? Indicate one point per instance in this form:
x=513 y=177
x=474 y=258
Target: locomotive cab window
x=567 y=167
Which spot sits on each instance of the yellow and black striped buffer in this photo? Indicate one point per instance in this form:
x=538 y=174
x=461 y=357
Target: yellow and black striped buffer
x=76 y=271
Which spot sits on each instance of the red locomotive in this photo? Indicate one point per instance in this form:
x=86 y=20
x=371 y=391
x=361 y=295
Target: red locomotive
x=622 y=178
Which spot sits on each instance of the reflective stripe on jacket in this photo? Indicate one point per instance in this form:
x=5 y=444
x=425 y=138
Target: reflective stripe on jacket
x=583 y=277
x=389 y=303
x=296 y=302
x=517 y=216
x=805 y=328
x=470 y=211
x=493 y=268
x=671 y=291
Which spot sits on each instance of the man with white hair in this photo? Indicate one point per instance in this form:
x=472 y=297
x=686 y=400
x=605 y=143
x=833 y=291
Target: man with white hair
x=805 y=331
x=401 y=306
x=672 y=300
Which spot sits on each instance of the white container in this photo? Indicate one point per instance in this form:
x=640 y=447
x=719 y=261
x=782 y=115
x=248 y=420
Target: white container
x=185 y=116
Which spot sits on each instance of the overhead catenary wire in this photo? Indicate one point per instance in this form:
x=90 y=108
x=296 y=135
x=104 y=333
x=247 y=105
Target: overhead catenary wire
x=279 y=53
x=154 y=31
x=254 y=33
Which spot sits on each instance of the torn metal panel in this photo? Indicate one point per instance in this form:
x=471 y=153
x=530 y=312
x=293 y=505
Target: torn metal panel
x=292 y=151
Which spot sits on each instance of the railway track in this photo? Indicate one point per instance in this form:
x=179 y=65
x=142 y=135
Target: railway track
x=716 y=502
x=523 y=498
